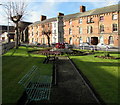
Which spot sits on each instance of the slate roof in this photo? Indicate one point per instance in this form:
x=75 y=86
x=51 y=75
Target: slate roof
x=97 y=11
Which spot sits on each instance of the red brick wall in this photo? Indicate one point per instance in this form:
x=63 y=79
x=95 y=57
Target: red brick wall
x=107 y=22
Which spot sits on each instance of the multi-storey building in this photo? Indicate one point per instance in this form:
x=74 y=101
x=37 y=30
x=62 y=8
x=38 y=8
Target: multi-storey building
x=94 y=26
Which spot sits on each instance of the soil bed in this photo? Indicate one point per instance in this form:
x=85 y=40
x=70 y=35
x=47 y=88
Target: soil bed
x=107 y=57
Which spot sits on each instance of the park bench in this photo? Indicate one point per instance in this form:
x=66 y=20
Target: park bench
x=37 y=87
x=50 y=55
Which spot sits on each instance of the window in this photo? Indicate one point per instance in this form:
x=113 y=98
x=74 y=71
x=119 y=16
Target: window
x=101 y=18
x=43 y=40
x=90 y=20
x=36 y=27
x=89 y=29
x=64 y=39
x=37 y=32
x=37 y=39
x=70 y=40
x=114 y=27
x=101 y=39
x=88 y=40
x=54 y=25
x=43 y=26
x=48 y=25
x=54 y=40
x=80 y=21
x=80 y=40
x=54 y=32
x=101 y=28
x=70 y=31
x=114 y=16
x=111 y=41
x=32 y=33
x=80 y=30
x=70 y=21
x=32 y=39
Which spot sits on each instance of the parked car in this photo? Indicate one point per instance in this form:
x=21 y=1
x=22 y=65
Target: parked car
x=85 y=45
x=102 y=45
x=68 y=46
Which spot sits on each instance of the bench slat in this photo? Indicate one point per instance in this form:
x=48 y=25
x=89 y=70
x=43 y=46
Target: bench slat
x=37 y=86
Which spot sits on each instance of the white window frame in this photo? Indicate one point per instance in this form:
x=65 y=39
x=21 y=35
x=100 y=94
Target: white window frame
x=70 y=21
x=114 y=17
x=70 y=31
x=80 y=21
x=80 y=30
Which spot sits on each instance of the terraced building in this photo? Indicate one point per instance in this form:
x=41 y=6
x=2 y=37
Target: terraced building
x=100 y=25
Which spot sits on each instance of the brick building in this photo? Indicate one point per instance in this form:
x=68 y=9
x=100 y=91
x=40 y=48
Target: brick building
x=94 y=26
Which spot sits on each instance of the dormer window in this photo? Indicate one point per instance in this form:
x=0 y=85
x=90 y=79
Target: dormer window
x=90 y=20
x=101 y=18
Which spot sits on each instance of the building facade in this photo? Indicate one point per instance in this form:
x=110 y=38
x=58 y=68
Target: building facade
x=94 y=26
x=7 y=33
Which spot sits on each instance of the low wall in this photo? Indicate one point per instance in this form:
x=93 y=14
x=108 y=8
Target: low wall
x=6 y=47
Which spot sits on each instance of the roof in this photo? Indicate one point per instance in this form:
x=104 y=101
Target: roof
x=44 y=21
x=97 y=11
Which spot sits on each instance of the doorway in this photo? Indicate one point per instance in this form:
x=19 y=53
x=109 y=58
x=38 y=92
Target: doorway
x=94 y=40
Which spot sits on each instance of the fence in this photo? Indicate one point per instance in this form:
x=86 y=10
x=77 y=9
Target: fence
x=5 y=47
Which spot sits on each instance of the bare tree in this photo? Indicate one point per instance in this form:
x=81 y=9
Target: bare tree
x=15 y=10
x=47 y=32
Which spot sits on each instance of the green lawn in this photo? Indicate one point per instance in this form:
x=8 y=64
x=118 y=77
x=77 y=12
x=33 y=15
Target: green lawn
x=102 y=73
x=15 y=64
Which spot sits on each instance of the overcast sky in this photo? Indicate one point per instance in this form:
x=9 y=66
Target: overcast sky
x=50 y=8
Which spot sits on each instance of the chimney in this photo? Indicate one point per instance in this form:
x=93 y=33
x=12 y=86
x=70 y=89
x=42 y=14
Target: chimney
x=42 y=17
x=82 y=8
x=60 y=14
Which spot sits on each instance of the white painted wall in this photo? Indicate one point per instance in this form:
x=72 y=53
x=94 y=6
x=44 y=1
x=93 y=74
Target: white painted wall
x=59 y=35
x=4 y=35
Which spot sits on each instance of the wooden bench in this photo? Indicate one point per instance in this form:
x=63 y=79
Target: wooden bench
x=37 y=86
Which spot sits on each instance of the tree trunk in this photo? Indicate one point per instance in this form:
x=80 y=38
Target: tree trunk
x=48 y=41
x=16 y=35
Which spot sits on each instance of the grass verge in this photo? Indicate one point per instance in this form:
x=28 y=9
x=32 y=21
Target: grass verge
x=102 y=73
x=15 y=64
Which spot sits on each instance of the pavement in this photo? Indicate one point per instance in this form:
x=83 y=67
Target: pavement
x=71 y=88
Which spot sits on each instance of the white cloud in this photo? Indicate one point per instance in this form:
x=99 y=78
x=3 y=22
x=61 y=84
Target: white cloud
x=50 y=8
x=112 y=2
x=105 y=3
x=45 y=8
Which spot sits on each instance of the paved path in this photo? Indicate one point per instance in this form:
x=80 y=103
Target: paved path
x=71 y=88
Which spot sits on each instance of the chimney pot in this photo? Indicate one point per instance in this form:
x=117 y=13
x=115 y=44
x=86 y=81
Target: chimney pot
x=82 y=8
x=60 y=14
x=42 y=17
